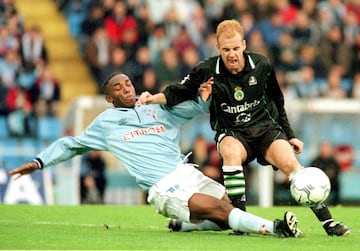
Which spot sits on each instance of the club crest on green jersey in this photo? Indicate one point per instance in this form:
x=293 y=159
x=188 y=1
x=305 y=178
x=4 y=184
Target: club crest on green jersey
x=238 y=94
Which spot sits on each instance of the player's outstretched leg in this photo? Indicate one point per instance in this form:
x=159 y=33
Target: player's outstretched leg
x=332 y=228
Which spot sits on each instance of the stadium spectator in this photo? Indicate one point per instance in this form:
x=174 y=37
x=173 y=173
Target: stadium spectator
x=75 y=13
x=7 y=8
x=8 y=42
x=234 y=9
x=33 y=47
x=287 y=11
x=309 y=56
x=285 y=53
x=158 y=41
x=168 y=69
x=271 y=28
x=344 y=154
x=19 y=111
x=242 y=113
x=98 y=51
x=189 y=59
x=9 y=67
x=93 y=178
x=93 y=21
x=334 y=51
x=175 y=189
x=331 y=13
x=305 y=83
x=138 y=66
x=46 y=94
x=355 y=92
x=305 y=30
x=249 y=24
x=326 y=161
x=309 y=7
x=182 y=41
x=145 y=24
x=196 y=24
x=15 y=25
x=208 y=48
x=119 y=23
x=108 y=6
x=150 y=82
x=214 y=12
x=332 y=87
x=356 y=55
x=262 y=9
x=257 y=43
x=118 y=62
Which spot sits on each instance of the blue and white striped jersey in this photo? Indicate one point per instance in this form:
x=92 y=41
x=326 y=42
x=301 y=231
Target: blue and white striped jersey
x=145 y=139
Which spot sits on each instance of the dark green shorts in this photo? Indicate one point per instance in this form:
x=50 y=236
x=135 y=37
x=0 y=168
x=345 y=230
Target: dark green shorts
x=255 y=140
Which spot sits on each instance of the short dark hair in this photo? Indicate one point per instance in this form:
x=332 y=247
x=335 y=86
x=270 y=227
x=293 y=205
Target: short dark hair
x=106 y=81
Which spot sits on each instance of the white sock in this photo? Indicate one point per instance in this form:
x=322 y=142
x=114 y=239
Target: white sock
x=203 y=226
x=249 y=223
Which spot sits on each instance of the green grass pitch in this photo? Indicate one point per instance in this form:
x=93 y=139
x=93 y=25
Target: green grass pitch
x=140 y=228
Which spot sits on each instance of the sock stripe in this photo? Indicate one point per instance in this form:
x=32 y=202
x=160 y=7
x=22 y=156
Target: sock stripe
x=233 y=172
x=234 y=182
x=235 y=190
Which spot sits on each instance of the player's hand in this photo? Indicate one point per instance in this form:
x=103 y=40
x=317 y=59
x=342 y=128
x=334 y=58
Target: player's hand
x=146 y=98
x=297 y=145
x=205 y=89
x=24 y=169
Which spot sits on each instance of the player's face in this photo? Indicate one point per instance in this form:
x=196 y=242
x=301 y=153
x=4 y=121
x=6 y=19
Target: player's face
x=231 y=49
x=121 y=91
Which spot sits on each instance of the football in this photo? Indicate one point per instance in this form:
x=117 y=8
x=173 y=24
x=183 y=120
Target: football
x=310 y=186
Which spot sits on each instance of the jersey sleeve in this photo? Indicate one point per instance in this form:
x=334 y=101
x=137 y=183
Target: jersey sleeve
x=187 y=89
x=277 y=97
x=70 y=146
x=188 y=109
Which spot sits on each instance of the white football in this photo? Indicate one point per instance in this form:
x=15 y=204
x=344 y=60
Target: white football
x=310 y=186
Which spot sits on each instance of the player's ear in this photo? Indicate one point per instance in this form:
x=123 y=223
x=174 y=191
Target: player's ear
x=108 y=99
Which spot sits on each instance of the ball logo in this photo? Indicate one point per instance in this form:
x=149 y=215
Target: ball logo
x=239 y=94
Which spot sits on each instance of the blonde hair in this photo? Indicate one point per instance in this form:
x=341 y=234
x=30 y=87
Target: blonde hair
x=230 y=27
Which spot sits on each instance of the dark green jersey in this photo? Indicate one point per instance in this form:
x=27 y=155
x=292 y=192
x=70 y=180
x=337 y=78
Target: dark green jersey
x=249 y=99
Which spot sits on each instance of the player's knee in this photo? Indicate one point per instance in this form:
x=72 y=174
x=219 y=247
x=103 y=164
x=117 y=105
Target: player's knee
x=232 y=149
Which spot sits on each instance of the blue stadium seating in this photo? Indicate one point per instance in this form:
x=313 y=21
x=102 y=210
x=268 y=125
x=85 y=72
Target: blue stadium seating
x=4 y=130
x=49 y=128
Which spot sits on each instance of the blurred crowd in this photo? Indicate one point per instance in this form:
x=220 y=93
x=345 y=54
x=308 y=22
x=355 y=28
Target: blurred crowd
x=314 y=44
x=28 y=87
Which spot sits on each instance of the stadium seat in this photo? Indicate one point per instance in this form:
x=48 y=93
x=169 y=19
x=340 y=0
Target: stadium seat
x=4 y=130
x=49 y=128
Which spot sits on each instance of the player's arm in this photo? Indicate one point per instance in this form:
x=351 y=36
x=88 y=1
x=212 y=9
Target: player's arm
x=146 y=97
x=65 y=148
x=27 y=168
x=188 y=88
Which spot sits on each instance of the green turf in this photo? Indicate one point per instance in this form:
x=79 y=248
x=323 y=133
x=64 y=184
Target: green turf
x=140 y=228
